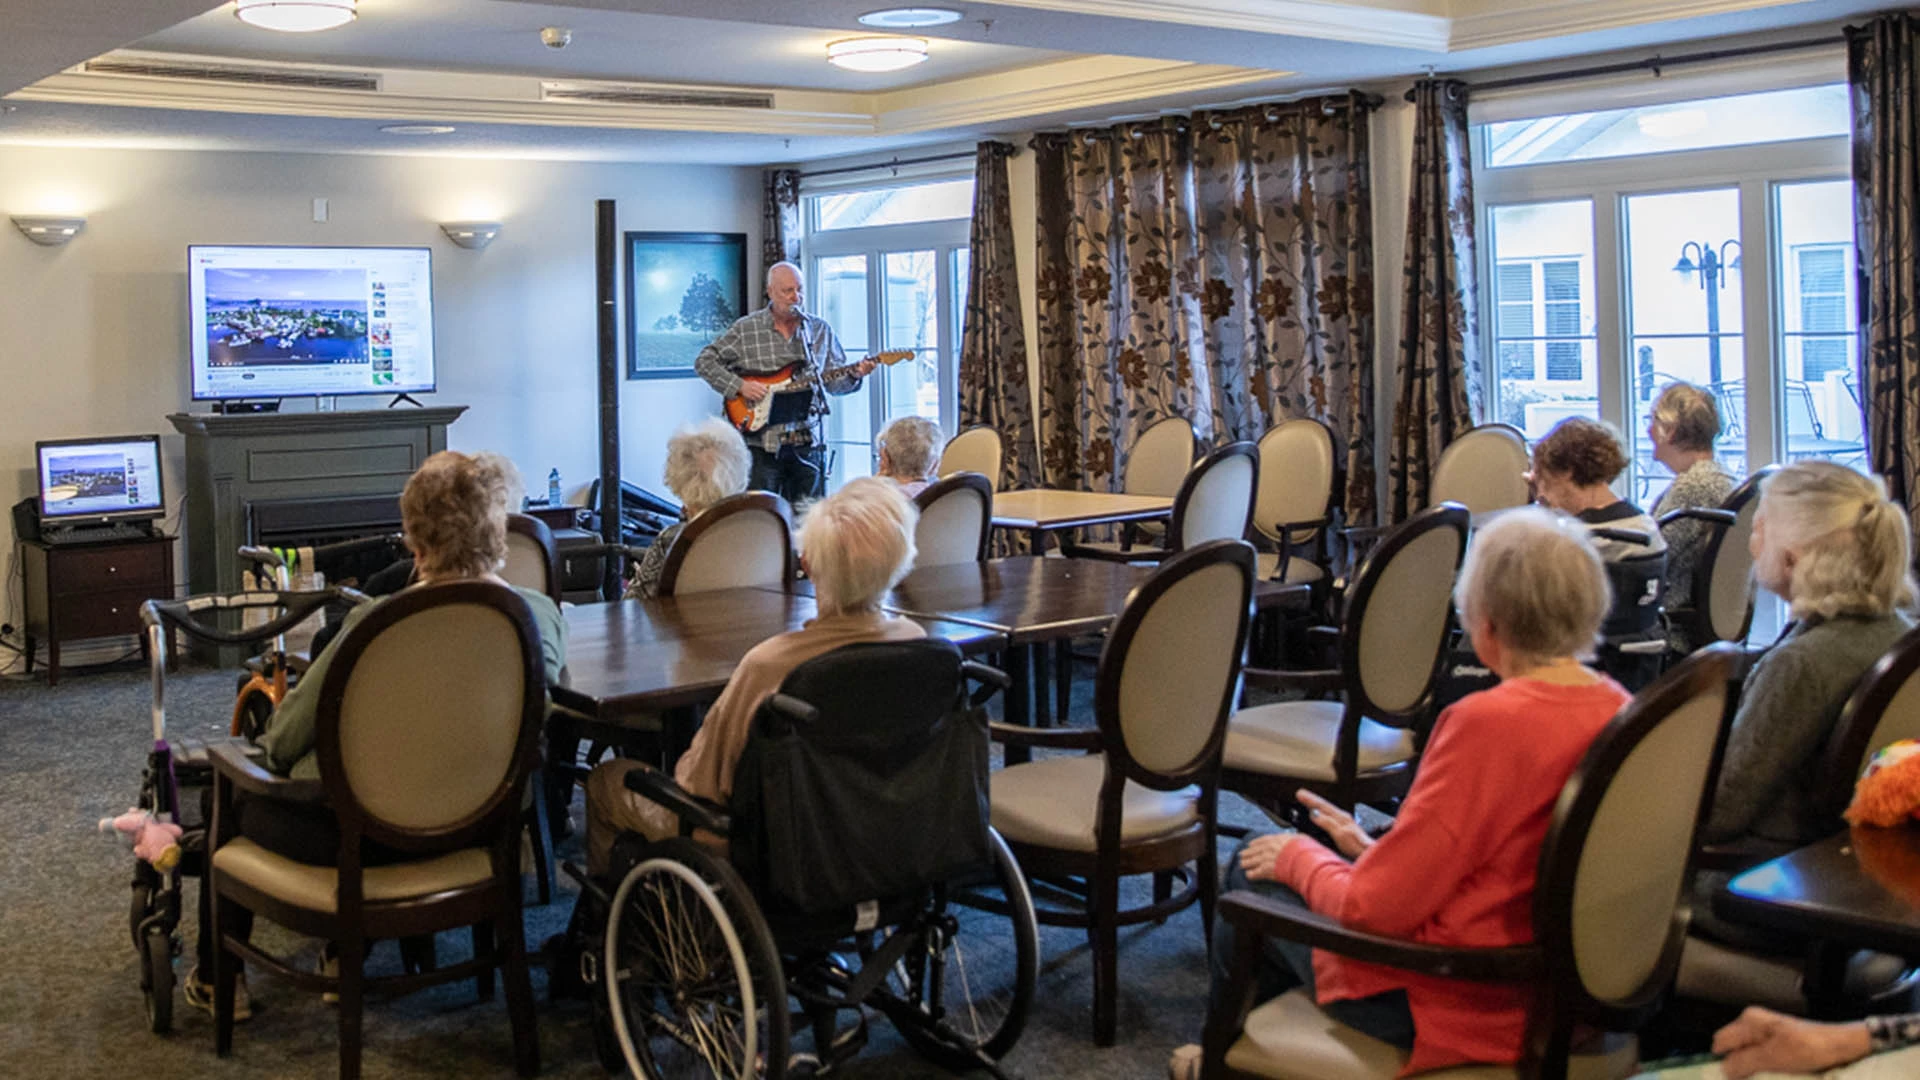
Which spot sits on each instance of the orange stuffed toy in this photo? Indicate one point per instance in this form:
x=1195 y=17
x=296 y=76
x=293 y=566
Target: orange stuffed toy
x=1889 y=790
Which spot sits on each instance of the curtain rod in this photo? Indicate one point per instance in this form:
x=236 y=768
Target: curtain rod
x=1654 y=63
x=893 y=163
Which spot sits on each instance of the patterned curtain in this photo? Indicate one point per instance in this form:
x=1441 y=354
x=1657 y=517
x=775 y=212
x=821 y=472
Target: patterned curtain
x=1883 y=69
x=994 y=388
x=780 y=221
x=1439 y=368
x=1117 y=292
x=1286 y=225
x=1221 y=274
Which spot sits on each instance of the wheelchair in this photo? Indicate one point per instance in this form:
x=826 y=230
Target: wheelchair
x=176 y=768
x=860 y=872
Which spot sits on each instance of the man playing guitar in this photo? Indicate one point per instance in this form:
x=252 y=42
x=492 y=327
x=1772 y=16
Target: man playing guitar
x=788 y=458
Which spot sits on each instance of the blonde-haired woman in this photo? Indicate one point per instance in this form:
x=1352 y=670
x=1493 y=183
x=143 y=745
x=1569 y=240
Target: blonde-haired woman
x=855 y=544
x=453 y=513
x=1684 y=426
x=909 y=452
x=1458 y=867
x=706 y=461
x=1830 y=543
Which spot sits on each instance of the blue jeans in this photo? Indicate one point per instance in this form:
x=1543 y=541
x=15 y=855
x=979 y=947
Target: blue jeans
x=1287 y=965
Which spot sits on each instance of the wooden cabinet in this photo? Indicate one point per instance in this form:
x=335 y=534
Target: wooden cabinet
x=78 y=591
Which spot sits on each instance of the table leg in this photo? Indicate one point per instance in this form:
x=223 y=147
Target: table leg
x=1019 y=701
x=1042 y=697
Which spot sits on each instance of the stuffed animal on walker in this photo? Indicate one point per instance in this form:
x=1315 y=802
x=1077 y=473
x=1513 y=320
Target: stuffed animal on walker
x=1889 y=790
x=154 y=841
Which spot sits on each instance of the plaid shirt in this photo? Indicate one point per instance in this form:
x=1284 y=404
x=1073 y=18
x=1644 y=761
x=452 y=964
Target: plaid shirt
x=752 y=346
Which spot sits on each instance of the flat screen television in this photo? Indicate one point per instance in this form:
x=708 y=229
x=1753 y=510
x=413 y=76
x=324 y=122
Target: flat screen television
x=94 y=481
x=272 y=322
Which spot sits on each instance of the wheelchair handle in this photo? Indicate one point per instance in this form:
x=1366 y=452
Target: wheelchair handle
x=793 y=708
x=266 y=557
x=1625 y=536
x=979 y=672
x=186 y=614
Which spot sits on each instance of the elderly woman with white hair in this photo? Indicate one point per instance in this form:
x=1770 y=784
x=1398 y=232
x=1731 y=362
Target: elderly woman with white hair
x=706 y=462
x=910 y=451
x=1458 y=866
x=855 y=545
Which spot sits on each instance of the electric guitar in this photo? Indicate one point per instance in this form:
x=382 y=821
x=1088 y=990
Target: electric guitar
x=751 y=416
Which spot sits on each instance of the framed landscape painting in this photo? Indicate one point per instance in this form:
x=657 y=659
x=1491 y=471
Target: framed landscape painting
x=683 y=289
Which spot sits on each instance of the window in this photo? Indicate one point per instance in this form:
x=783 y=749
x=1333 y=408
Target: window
x=1688 y=234
x=1743 y=120
x=888 y=270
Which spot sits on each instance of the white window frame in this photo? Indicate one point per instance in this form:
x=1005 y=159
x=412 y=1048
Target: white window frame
x=1608 y=182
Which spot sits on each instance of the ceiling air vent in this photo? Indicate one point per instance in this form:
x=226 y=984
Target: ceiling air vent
x=657 y=96
x=296 y=78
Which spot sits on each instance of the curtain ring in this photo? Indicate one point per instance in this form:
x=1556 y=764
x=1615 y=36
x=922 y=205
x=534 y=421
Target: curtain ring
x=1327 y=107
x=1272 y=115
x=1214 y=123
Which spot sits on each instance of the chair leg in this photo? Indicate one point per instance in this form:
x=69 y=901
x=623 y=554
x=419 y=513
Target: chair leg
x=483 y=941
x=520 y=1013
x=538 y=837
x=1103 y=934
x=1162 y=890
x=1063 y=680
x=225 y=975
x=1208 y=867
x=353 y=961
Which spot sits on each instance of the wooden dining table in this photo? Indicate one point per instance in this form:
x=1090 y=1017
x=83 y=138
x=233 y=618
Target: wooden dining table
x=1041 y=511
x=1859 y=888
x=638 y=658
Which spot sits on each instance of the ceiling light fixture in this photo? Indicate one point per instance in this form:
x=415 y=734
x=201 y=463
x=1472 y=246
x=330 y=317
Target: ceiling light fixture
x=49 y=231
x=296 y=16
x=418 y=129
x=872 y=54
x=472 y=235
x=908 y=18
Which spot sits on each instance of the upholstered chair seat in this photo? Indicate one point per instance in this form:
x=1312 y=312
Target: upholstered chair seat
x=317 y=888
x=1296 y=738
x=1290 y=1038
x=1298 y=571
x=1055 y=801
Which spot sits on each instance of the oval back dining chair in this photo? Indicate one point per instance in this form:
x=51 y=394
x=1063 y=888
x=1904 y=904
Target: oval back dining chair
x=956 y=518
x=1484 y=469
x=743 y=540
x=533 y=562
x=1215 y=502
x=1721 y=607
x=1299 y=472
x=976 y=449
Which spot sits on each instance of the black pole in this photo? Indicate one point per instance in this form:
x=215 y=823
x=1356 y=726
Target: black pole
x=1710 y=281
x=605 y=240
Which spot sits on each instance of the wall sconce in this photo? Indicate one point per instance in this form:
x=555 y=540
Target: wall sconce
x=472 y=235
x=49 y=231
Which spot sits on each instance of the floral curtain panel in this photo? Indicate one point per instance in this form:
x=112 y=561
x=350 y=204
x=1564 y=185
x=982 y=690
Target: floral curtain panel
x=1218 y=268
x=780 y=228
x=1438 y=369
x=994 y=388
x=1883 y=69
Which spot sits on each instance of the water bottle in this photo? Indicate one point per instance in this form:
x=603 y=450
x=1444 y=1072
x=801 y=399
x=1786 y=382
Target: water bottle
x=553 y=488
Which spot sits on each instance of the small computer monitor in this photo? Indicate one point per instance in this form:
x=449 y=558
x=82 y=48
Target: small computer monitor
x=100 y=480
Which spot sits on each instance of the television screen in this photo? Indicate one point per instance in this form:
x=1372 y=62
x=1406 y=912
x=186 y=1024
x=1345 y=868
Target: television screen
x=101 y=478
x=273 y=322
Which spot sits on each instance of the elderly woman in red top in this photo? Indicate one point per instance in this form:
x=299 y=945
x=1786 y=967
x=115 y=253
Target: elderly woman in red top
x=1457 y=868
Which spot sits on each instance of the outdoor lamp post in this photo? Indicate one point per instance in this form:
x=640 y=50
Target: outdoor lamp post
x=1711 y=264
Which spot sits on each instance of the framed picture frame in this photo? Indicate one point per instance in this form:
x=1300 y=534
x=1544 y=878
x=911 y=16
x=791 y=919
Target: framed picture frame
x=683 y=289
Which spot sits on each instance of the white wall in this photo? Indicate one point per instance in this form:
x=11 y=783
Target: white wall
x=93 y=335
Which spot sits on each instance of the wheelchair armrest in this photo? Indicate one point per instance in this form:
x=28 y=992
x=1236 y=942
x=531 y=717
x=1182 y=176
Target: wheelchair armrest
x=1625 y=536
x=983 y=673
x=1271 y=918
x=1697 y=513
x=692 y=810
x=1312 y=682
x=231 y=761
x=1062 y=738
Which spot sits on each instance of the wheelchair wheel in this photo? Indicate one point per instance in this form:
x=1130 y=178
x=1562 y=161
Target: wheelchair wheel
x=137 y=914
x=693 y=979
x=251 y=713
x=967 y=992
x=156 y=970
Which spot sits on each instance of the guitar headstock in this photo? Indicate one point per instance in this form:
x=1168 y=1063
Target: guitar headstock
x=890 y=357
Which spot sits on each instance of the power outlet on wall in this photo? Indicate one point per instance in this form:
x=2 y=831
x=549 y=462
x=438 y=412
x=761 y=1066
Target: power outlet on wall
x=320 y=210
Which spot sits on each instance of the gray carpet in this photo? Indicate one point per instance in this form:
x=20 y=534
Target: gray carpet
x=70 y=1004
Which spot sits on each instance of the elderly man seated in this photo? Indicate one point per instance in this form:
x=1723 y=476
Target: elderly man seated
x=855 y=545
x=910 y=451
x=706 y=462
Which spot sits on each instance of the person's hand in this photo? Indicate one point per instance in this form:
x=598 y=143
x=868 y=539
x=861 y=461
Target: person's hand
x=1346 y=833
x=1762 y=1040
x=863 y=369
x=1260 y=855
x=753 y=391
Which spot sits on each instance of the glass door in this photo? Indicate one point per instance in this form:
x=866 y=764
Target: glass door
x=840 y=281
